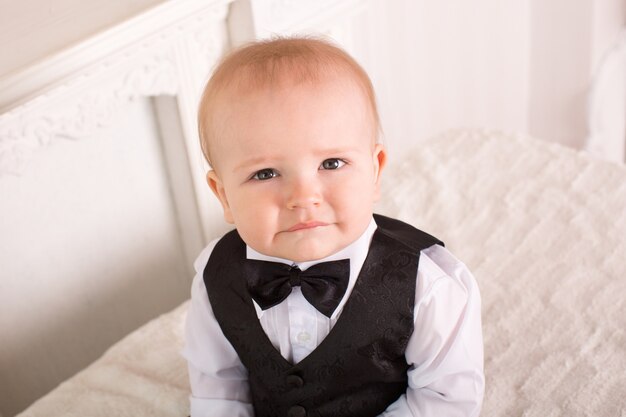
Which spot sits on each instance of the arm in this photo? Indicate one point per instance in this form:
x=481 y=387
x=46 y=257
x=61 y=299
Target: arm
x=445 y=351
x=218 y=379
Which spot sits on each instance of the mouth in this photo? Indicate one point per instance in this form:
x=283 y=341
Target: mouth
x=306 y=225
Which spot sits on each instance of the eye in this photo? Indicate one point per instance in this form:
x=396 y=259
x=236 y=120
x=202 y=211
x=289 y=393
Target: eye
x=332 y=163
x=264 y=174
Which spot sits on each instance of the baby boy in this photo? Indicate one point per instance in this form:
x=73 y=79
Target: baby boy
x=313 y=305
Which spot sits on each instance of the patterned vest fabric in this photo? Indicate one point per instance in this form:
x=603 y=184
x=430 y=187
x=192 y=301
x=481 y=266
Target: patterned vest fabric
x=359 y=368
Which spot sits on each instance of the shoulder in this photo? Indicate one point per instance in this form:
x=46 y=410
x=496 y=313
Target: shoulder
x=204 y=256
x=198 y=289
x=439 y=271
x=444 y=280
x=439 y=261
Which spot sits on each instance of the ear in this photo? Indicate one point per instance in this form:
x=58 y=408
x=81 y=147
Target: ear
x=217 y=187
x=379 y=157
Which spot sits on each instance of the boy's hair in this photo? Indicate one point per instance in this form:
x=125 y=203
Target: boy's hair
x=274 y=62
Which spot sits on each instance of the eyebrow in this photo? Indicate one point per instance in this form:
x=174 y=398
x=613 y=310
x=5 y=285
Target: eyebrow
x=251 y=161
x=336 y=150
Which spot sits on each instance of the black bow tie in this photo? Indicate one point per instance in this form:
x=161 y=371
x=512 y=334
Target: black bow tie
x=323 y=285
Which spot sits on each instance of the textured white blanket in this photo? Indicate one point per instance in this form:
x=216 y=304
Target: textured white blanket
x=544 y=231
x=542 y=227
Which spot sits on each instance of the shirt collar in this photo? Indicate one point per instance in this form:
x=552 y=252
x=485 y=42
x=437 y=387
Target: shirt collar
x=356 y=252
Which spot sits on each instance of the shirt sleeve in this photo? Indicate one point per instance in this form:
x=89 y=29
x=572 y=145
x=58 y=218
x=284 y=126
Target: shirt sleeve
x=218 y=379
x=445 y=351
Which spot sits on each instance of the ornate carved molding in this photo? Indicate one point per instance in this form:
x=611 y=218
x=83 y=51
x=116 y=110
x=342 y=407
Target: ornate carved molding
x=88 y=99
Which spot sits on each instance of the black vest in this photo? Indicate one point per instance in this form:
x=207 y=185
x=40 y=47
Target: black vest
x=359 y=368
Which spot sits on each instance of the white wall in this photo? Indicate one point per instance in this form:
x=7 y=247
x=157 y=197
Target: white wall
x=515 y=65
x=568 y=40
x=66 y=21
x=446 y=64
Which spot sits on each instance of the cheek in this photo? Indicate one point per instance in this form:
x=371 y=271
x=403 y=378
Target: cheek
x=256 y=206
x=360 y=185
x=355 y=193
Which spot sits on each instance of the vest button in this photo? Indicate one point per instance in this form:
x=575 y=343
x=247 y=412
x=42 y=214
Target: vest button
x=295 y=381
x=296 y=411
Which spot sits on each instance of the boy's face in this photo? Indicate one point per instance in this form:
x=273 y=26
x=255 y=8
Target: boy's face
x=296 y=167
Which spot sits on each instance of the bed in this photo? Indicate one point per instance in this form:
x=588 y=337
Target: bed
x=543 y=229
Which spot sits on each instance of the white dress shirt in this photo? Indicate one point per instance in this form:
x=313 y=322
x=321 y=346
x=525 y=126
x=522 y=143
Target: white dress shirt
x=445 y=351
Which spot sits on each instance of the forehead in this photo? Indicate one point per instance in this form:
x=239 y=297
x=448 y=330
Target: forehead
x=274 y=63
x=286 y=118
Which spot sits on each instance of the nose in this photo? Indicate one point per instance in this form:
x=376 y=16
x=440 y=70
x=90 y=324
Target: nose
x=303 y=193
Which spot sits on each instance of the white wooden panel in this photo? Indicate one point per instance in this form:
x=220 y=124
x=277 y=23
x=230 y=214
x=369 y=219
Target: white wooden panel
x=90 y=250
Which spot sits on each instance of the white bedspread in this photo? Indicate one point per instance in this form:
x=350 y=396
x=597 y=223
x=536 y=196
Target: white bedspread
x=542 y=227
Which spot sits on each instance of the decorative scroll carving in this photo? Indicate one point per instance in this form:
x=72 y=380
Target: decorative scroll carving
x=208 y=43
x=75 y=108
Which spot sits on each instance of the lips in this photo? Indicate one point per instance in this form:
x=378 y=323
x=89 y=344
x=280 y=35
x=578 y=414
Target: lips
x=306 y=225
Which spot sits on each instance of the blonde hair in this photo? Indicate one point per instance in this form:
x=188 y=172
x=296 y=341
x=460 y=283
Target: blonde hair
x=273 y=62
